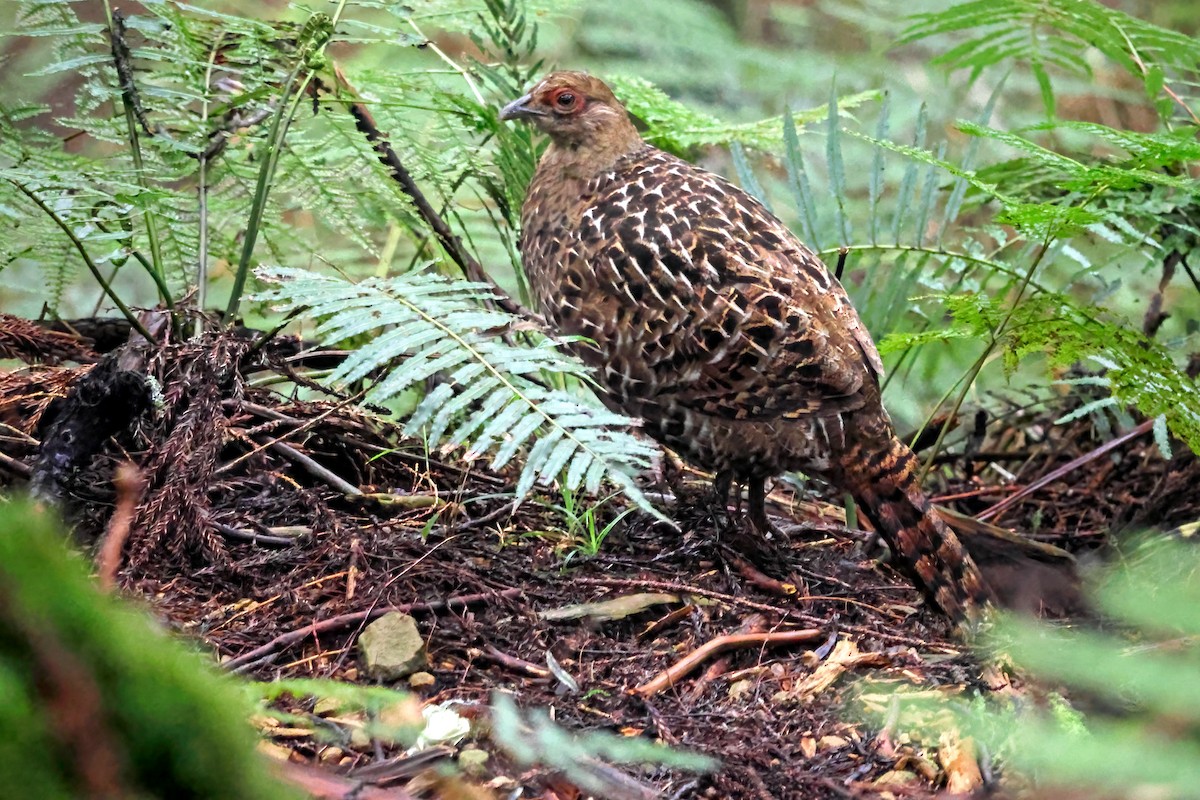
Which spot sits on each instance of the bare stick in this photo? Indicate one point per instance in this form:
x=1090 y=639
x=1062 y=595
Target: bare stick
x=1051 y=477
x=316 y=470
x=680 y=669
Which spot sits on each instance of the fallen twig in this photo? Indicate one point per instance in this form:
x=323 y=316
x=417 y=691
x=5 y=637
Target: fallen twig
x=354 y=425
x=15 y=466
x=319 y=784
x=752 y=624
x=286 y=640
x=313 y=468
x=757 y=577
x=684 y=589
x=254 y=537
x=1155 y=315
x=302 y=425
x=1070 y=466
x=512 y=662
x=680 y=669
x=781 y=613
x=980 y=492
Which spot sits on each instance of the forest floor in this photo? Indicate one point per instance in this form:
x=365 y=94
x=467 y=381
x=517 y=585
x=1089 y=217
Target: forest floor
x=246 y=537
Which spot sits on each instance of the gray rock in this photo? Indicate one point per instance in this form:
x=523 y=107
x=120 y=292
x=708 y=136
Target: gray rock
x=391 y=648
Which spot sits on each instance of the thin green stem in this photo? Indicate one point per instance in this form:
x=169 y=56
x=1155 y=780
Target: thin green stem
x=1137 y=59
x=933 y=251
x=262 y=188
x=282 y=120
x=202 y=191
x=968 y=380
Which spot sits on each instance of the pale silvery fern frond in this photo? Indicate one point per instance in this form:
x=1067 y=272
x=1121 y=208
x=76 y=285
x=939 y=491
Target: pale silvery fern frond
x=492 y=398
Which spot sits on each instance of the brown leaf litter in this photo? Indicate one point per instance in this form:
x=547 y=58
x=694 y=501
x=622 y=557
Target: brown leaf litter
x=273 y=527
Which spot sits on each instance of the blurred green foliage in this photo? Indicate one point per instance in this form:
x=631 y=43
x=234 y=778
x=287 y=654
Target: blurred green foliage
x=96 y=700
x=1132 y=726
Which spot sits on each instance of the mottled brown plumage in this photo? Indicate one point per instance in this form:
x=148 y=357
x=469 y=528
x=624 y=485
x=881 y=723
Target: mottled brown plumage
x=716 y=326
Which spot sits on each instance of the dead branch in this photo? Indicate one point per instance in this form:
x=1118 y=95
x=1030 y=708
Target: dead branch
x=680 y=669
x=256 y=538
x=313 y=468
x=781 y=613
x=321 y=785
x=513 y=663
x=18 y=468
x=128 y=481
x=757 y=577
x=1155 y=315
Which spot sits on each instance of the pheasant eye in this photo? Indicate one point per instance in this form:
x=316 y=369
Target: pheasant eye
x=565 y=99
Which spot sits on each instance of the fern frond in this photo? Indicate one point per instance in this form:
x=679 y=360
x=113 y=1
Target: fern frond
x=1139 y=372
x=837 y=170
x=1056 y=33
x=677 y=127
x=799 y=184
x=490 y=396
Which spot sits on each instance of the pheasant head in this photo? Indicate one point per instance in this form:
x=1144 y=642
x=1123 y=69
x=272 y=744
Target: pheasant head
x=581 y=115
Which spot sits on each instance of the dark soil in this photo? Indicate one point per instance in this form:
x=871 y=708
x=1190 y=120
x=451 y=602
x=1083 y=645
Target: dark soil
x=242 y=534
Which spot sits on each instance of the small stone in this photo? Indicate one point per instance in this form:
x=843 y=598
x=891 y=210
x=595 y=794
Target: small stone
x=391 y=648
x=326 y=706
x=472 y=761
x=359 y=738
x=739 y=689
x=832 y=743
x=421 y=680
x=332 y=755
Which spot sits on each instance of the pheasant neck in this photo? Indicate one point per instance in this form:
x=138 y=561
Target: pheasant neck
x=581 y=160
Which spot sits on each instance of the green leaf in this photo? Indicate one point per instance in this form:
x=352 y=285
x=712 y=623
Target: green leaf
x=425 y=325
x=677 y=128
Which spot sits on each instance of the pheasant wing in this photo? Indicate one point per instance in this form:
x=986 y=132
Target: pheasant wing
x=754 y=325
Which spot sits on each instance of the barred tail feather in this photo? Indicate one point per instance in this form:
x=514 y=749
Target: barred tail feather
x=882 y=476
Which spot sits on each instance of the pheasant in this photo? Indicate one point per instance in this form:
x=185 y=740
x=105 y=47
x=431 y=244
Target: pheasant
x=710 y=321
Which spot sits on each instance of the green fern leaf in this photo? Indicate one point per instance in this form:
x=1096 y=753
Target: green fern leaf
x=677 y=127
x=434 y=326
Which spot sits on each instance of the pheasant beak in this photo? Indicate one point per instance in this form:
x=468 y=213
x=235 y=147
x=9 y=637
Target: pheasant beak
x=520 y=109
